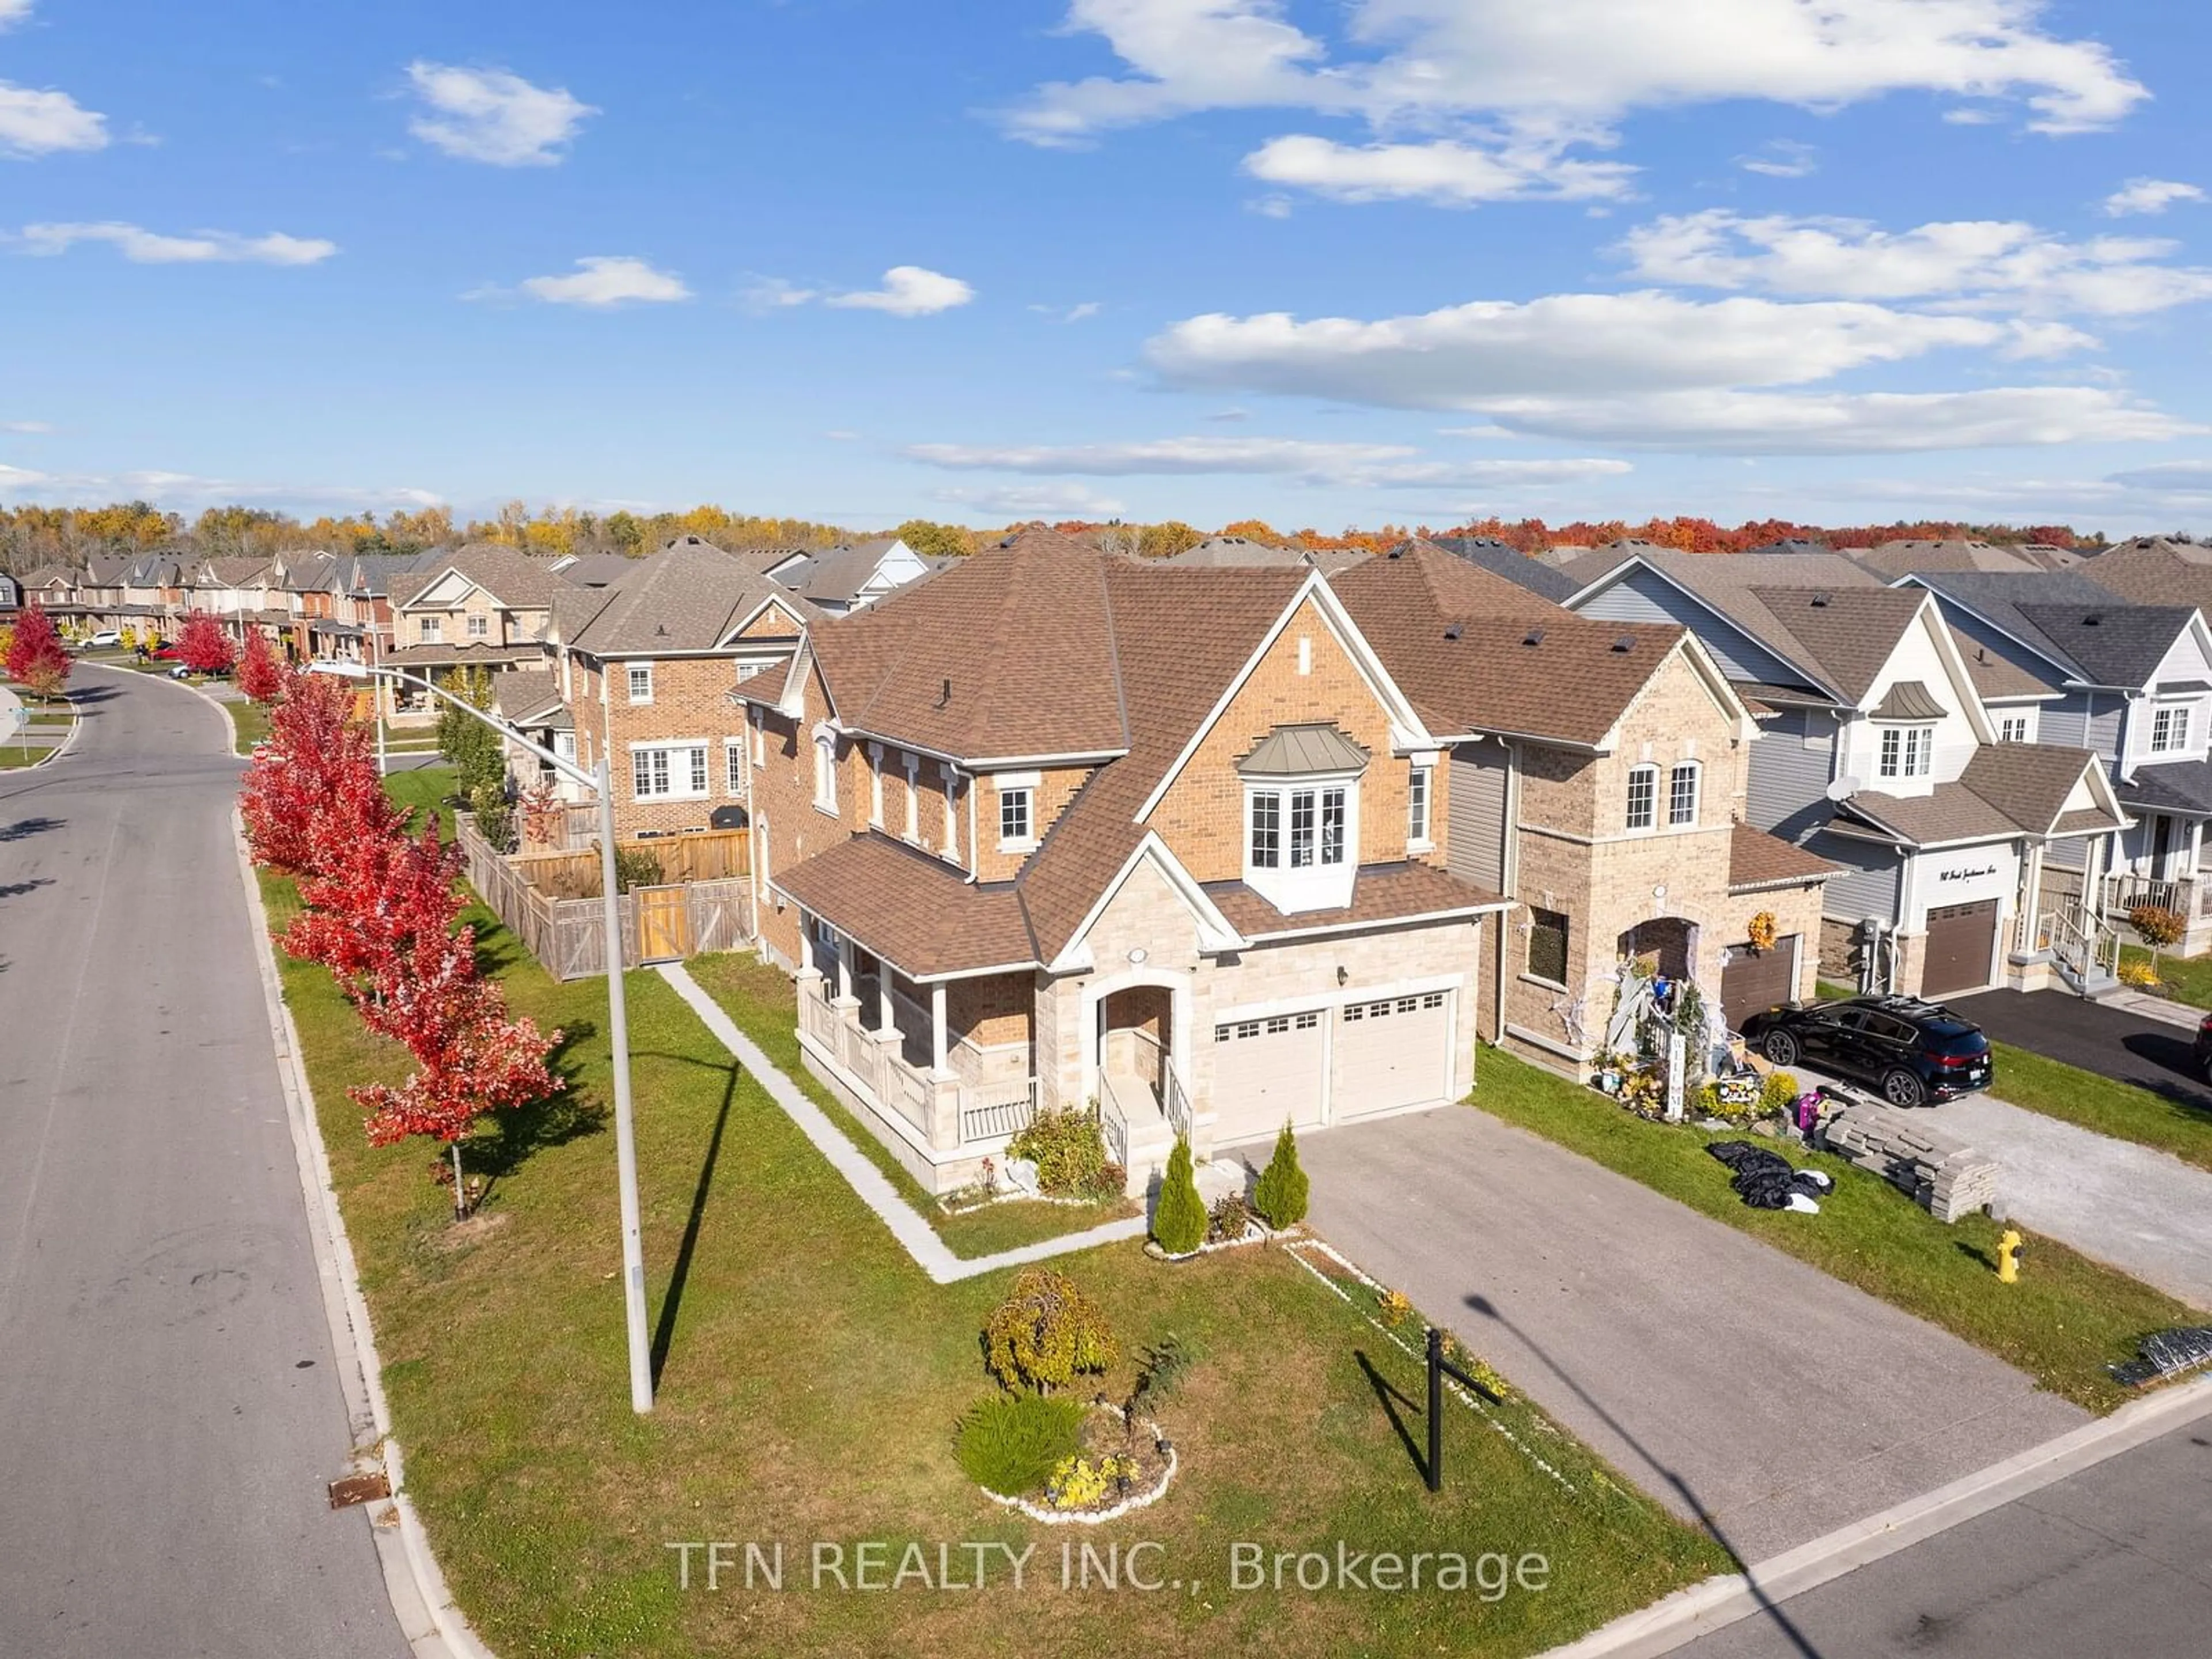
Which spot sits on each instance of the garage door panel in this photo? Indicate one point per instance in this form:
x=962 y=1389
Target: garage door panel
x=1752 y=982
x=1960 y=941
x=1268 y=1071
x=1393 y=1052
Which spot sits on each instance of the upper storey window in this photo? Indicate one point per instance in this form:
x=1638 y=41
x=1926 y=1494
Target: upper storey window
x=1302 y=817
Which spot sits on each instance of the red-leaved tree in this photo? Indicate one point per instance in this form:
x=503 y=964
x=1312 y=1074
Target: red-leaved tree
x=203 y=647
x=35 y=656
x=318 y=761
x=260 y=677
x=381 y=909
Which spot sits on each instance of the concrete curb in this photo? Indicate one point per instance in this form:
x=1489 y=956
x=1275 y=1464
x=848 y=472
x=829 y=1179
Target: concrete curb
x=908 y=1225
x=69 y=742
x=1716 y=1603
x=433 y=1626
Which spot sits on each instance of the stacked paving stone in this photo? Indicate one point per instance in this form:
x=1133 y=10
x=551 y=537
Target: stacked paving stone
x=1945 y=1177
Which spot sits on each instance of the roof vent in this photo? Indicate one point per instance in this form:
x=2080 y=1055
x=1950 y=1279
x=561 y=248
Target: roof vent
x=660 y=630
x=1819 y=600
x=1534 y=637
x=1397 y=552
x=2093 y=619
x=944 y=697
x=1451 y=630
x=1625 y=642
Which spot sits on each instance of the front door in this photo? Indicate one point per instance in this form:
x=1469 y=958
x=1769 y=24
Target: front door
x=2162 y=846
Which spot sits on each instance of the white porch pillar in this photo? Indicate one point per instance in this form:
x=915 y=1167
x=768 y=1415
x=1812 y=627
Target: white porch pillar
x=845 y=971
x=884 y=1023
x=937 y=1027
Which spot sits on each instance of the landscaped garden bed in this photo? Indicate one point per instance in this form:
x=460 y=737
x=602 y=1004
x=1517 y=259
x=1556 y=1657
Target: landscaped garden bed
x=2068 y=1320
x=810 y=1381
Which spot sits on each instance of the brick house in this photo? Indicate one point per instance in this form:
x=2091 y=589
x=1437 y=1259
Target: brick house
x=1883 y=752
x=481 y=606
x=642 y=668
x=1597 y=772
x=1057 y=826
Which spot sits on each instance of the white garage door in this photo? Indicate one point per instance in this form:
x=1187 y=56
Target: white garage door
x=1266 y=1071
x=1393 y=1052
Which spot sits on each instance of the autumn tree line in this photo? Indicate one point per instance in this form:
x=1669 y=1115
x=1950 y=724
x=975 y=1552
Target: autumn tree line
x=32 y=536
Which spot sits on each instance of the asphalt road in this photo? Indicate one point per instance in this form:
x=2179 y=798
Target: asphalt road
x=2112 y=1560
x=169 y=1404
x=1735 y=1384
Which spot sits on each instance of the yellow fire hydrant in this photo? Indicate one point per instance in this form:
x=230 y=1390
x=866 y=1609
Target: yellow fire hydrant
x=2009 y=1257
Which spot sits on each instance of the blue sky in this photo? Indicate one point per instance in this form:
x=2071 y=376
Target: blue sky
x=1322 y=263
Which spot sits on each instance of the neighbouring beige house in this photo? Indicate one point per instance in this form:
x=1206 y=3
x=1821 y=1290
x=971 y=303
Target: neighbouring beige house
x=481 y=606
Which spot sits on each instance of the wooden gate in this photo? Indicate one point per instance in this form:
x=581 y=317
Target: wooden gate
x=664 y=923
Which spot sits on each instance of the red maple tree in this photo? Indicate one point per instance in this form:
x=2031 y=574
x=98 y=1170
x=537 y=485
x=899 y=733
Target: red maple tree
x=260 y=676
x=203 y=647
x=317 y=762
x=35 y=656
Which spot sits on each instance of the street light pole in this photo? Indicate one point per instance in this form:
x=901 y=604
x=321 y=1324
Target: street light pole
x=633 y=1243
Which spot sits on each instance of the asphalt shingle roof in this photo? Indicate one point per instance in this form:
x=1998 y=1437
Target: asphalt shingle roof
x=687 y=598
x=2119 y=645
x=1758 y=860
x=2008 y=788
x=1502 y=559
x=512 y=577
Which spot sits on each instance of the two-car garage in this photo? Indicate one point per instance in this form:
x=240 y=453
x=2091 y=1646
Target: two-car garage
x=1330 y=1063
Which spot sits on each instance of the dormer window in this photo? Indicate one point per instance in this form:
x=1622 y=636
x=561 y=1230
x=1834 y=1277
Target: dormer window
x=2169 y=729
x=1907 y=751
x=1302 y=817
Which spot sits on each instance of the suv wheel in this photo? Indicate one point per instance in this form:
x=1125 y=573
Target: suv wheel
x=1781 y=1047
x=1901 y=1088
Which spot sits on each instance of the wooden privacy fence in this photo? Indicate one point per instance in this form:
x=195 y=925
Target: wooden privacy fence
x=568 y=935
x=695 y=856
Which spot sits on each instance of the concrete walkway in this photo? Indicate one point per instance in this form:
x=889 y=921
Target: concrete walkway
x=1735 y=1383
x=906 y=1225
x=2143 y=1211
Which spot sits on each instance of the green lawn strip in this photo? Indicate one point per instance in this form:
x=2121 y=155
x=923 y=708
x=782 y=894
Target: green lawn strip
x=2066 y=1319
x=2185 y=979
x=425 y=789
x=12 y=756
x=2125 y=1111
x=249 y=723
x=50 y=716
x=814 y=1375
x=1829 y=990
x=760 y=1000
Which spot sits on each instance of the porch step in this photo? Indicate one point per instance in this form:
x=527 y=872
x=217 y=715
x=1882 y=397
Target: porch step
x=2098 y=986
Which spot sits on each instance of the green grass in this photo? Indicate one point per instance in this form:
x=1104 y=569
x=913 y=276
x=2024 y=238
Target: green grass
x=425 y=789
x=813 y=1379
x=758 y=997
x=249 y=722
x=2124 y=1111
x=1010 y=1443
x=12 y=756
x=1829 y=990
x=2066 y=1319
x=2185 y=979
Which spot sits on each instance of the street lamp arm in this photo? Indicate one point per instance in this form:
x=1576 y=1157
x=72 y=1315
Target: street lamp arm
x=567 y=769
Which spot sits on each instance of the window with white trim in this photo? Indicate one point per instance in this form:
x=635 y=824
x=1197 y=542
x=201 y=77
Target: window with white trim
x=826 y=773
x=913 y=798
x=1907 y=751
x=641 y=682
x=1682 y=795
x=733 y=765
x=875 y=785
x=430 y=629
x=2015 y=728
x=668 y=771
x=1417 y=807
x=1015 y=823
x=2169 y=729
x=1267 y=852
x=1317 y=820
x=479 y=626
x=1643 y=797
x=951 y=818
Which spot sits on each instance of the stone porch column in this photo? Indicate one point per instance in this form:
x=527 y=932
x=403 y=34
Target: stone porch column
x=845 y=997
x=886 y=1025
x=936 y=1031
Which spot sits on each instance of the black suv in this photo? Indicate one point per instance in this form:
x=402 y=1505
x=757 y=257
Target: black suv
x=1915 y=1052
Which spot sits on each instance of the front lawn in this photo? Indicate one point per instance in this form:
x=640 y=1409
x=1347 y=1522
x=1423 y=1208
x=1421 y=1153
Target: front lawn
x=2126 y=1111
x=2185 y=979
x=760 y=1000
x=249 y=722
x=2066 y=1319
x=810 y=1377
x=426 y=789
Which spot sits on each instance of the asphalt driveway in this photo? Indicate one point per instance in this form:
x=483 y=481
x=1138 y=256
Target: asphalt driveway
x=2110 y=1041
x=1735 y=1383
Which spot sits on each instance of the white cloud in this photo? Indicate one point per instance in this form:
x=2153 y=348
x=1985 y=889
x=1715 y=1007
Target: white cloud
x=1985 y=264
x=1443 y=172
x=2193 y=476
x=1075 y=314
x=147 y=247
x=1034 y=501
x=1782 y=158
x=1461 y=357
x=909 y=291
x=608 y=280
x=1365 y=465
x=34 y=123
x=494 y=115
x=27 y=427
x=2149 y=196
x=1567 y=71
x=186 y=491
x=1729 y=422
x=14 y=11
x=765 y=293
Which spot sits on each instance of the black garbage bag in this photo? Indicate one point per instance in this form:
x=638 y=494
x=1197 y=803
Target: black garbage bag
x=1765 y=1180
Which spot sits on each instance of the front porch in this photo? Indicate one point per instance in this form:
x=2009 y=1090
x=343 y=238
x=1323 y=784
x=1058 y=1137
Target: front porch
x=2164 y=862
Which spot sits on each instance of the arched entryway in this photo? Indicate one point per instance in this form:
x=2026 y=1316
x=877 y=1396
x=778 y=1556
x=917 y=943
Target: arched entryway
x=1663 y=945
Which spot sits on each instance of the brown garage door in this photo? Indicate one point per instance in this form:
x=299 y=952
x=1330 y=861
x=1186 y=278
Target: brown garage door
x=1753 y=982
x=1960 y=939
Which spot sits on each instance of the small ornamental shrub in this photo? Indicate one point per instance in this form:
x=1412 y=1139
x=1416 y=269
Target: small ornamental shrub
x=635 y=867
x=1044 y=1333
x=1179 y=1217
x=2158 y=927
x=1011 y=1443
x=494 y=818
x=1778 y=1096
x=1229 y=1220
x=1161 y=1370
x=1068 y=1147
x=1395 y=1308
x=1079 y=1483
x=2140 y=975
x=1281 y=1196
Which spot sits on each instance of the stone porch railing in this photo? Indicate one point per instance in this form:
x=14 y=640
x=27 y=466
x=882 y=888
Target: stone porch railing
x=939 y=1113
